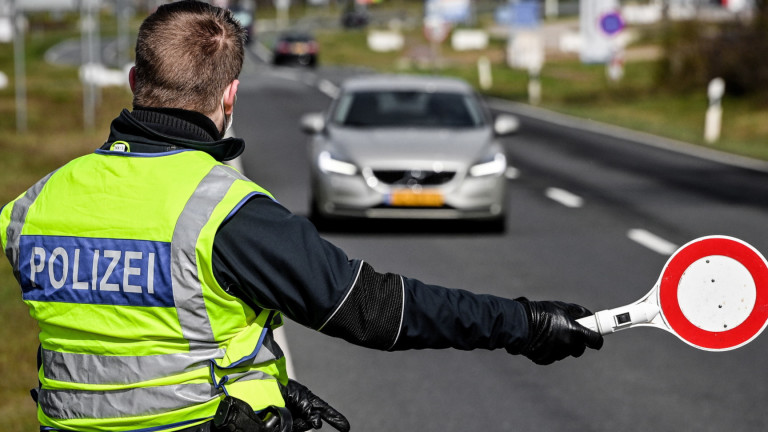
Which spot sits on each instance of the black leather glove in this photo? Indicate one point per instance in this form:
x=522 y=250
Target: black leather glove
x=554 y=334
x=309 y=411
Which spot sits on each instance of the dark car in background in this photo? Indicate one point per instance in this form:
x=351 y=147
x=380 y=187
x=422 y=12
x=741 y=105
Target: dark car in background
x=355 y=17
x=295 y=48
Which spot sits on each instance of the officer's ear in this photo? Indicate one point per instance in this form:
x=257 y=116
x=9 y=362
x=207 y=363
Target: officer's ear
x=132 y=78
x=230 y=96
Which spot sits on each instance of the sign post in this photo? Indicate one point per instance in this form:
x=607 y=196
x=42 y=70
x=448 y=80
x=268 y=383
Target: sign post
x=124 y=15
x=6 y=21
x=714 y=115
x=612 y=24
x=534 y=84
x=90 y=45
x=598 y=23
x=19 y=68
x=436 y=29
x=282 y=7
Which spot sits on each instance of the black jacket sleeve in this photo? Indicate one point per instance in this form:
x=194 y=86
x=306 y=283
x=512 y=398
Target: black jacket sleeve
x=274 y=259
x=438 y=317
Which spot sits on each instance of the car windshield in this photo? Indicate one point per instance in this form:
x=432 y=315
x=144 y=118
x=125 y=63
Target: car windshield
x=295 y=37
x=408 y=109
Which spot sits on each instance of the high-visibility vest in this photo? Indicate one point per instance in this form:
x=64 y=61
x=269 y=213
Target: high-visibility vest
x=113 y=255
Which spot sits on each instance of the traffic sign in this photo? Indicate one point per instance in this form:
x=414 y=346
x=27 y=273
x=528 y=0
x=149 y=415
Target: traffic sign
x=436 y=29
x=453 y=11
x=611 y=23
x=713 y=293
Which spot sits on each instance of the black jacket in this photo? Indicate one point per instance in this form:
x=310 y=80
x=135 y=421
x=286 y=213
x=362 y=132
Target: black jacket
x=273 y=259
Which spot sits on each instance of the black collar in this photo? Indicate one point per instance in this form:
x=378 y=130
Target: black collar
x=178 y=122
x=152 y=130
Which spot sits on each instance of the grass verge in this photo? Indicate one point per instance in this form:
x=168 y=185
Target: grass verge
x=55 y=135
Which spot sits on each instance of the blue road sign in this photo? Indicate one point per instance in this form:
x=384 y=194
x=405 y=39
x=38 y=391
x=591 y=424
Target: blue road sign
x=611 y=23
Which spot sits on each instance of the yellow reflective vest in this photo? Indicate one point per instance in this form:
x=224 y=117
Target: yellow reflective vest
x=113 y=255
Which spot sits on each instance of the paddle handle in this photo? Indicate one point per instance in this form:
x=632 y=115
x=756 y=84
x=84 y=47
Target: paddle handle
x=612 y=320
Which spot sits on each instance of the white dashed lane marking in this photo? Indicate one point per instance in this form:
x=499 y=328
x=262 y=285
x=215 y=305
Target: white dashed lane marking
x=564 y=197
x=652 y=241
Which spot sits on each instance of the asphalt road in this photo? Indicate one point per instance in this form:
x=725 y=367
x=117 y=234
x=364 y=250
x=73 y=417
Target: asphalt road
x=591 y=219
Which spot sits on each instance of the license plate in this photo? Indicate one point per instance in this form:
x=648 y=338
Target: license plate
x=409 y=198
x=300 y=48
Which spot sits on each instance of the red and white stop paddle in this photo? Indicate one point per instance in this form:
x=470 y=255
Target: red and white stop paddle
x=712 y=294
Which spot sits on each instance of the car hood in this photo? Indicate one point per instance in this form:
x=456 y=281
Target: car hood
x=392 y=148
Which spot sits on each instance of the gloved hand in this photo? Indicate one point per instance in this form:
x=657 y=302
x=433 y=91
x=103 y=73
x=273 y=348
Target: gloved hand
x=309 y=411
x=554 y=334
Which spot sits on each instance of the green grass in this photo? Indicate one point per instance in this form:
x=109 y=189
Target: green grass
x=17 y=358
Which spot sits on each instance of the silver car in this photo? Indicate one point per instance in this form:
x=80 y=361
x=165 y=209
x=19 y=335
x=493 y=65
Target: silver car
x=399 y=146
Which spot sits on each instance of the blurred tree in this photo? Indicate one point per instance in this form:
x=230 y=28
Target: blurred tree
x=697 y=51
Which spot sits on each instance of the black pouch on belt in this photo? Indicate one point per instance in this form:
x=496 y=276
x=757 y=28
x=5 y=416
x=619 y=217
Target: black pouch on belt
x=235 y=415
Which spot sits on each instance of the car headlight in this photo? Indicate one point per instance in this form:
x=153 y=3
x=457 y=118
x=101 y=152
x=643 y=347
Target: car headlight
x=494 y=165
x=329 y=164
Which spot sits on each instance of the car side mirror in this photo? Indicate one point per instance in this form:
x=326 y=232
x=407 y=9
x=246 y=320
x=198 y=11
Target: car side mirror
x=312 y=123
x=505 y=124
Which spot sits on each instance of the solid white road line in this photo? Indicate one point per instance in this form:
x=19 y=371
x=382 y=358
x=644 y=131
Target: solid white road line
x=279 y=334
x=652 y=241
x=329 y=88
x=564 y=197
x=236 y=163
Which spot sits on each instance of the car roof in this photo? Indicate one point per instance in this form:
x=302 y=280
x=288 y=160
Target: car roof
x=295 y=35
x=406 y=82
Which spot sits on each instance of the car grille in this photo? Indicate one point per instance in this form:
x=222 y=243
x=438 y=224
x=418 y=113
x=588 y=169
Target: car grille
x=414 y=177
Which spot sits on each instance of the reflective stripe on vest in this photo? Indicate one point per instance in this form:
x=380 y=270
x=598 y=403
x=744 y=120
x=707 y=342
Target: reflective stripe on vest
x=95 y=369
x=197 y=212
x=18 y=215
x=106 y=385
x=73 y=404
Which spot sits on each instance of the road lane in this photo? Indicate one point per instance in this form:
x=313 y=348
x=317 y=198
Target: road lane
x=685 y=196
x=642 y=379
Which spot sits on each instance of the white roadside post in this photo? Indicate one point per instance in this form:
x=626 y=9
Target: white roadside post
x=526 y=51
x=713 y=120
x=472 y=39
x=615 y=65
x=484 y=73
x=534 y=85
x=282 y=7
x=536 y=62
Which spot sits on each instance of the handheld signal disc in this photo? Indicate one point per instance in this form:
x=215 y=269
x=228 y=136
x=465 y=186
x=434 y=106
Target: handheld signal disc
x=713 y=293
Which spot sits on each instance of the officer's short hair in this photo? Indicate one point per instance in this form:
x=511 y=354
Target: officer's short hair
x=187 y=52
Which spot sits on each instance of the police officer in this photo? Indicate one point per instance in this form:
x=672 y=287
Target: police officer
x=157 y=273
